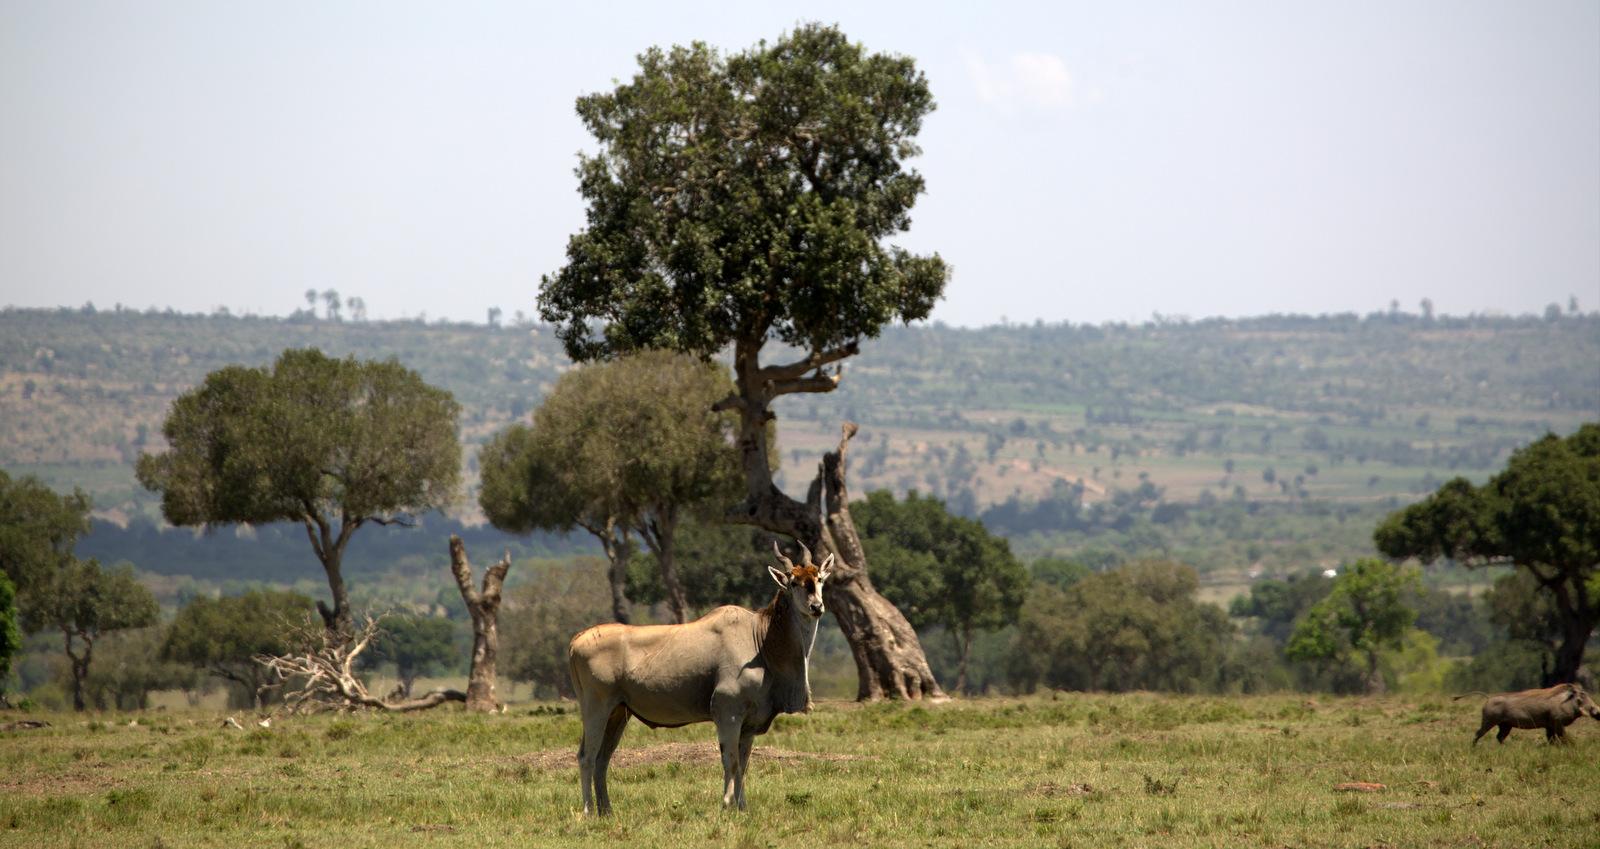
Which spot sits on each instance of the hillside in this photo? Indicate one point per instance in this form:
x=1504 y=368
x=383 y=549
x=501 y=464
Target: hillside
x=1229 y=442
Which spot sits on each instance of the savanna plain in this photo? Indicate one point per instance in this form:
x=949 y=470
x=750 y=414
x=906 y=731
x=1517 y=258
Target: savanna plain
x=1058 y=769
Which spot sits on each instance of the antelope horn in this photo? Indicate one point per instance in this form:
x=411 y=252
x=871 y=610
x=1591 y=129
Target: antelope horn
x=805 y=551
x=781 y=559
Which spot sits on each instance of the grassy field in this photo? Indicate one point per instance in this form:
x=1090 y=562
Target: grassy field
x=1054 y=770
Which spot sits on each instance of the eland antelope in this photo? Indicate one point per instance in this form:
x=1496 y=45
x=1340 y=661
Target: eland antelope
x=734 y=667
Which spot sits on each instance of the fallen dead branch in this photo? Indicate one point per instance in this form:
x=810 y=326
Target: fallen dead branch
x=320 y=676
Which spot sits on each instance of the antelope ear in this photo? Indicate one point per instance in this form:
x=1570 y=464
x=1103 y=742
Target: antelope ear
x=826 y=569
x=779 y=575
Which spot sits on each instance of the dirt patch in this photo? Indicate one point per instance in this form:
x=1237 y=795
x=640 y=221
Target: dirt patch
x=71 y=784
x=1050 y=788
x=686 y=753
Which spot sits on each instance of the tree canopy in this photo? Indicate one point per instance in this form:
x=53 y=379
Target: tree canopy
x=85 y=602
x=1364 y=613
x=38 y=530
x=626 y=447
x=1137 y=627
x=331 y=443
x=416 y=645
x=224 y=635
x=733 y=197
x=10 y=632
x=1541 y=513
x=940 y=569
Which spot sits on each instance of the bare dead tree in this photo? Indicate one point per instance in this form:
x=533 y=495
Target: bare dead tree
x=484 y=607
x=320 y=676
x=888 y=655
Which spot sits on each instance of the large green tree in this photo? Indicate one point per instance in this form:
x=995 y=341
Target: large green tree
x=1363 y=614
x=333 y=444
x=224 y=635
x=1541 y=514
x=743 y=199
x=621 y=448
x=941 y=569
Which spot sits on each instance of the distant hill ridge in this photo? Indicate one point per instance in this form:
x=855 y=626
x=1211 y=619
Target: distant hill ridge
x=978 y=416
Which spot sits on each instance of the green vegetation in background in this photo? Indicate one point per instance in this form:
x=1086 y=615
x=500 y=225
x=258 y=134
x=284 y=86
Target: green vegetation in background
x=332 y=444
x=1364 y=613
x=1541 y=514
x=1249 y=394
x=625 y=448
x=223 y=636
x=940 y=570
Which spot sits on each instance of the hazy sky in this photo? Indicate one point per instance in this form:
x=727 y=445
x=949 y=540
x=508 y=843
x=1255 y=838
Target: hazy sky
x=1087 y=162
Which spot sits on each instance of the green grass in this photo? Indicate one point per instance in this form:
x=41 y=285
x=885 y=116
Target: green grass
x=1065 y=770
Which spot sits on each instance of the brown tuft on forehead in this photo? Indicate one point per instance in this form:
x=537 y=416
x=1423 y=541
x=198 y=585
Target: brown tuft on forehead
x=800 y=573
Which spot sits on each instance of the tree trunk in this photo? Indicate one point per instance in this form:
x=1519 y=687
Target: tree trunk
x=617 y=553
x=330 y=550
x=80 y=671
x=889 y=658
x=660 y=535
x=964 y=639
x=1576 y=630
x=1577 y=615
x=1374 y=685
x=484 y=607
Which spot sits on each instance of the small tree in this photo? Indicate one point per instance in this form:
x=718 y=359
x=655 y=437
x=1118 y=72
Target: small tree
x=1137 y=627
x=10 y=633
x=38 y=530
x=624 y=448
x=223 y=636
x=745 y=199
x=1364 y=614
x=941 y=569
x=1541 y=514
x=559 y=600
x=129 y=667
x=85 y=602
x=416 y=645
x=331 y=444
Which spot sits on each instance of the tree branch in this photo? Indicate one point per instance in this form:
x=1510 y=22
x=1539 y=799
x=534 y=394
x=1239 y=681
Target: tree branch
x=816 y=383
x=494 y=579
x=816 y=360
x=730 y=403
x=462 y=570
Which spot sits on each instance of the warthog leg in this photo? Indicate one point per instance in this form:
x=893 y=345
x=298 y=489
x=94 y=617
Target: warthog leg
x=1482 y=730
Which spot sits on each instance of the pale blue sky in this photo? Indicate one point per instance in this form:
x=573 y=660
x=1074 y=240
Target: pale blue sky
x=1088 y=161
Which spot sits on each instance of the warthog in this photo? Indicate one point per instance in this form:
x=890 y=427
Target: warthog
x=1552 y=708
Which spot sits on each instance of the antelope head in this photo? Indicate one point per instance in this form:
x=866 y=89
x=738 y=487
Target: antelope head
x=803 y=582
